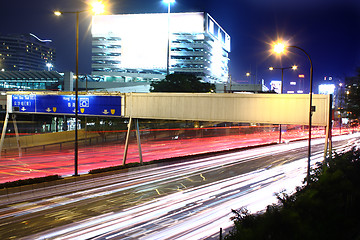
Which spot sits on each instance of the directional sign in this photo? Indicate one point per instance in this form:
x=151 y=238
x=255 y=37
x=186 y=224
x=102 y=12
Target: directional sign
x=65 y=104
x=23 y=103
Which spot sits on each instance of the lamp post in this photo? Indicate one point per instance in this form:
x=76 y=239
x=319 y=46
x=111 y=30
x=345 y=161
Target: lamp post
x=280 y=48
x=282 y=87
x=248 y=74
x=340 y=110
x=97 y=8
x=168 y=2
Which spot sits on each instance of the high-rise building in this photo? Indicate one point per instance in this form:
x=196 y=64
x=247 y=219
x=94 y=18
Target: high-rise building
x=26 y=52
x=134 y=47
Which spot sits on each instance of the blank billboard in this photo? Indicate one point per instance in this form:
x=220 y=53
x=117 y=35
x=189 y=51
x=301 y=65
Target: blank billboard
x=144 y=36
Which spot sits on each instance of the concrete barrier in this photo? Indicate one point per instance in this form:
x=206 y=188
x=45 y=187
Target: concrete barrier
x=47 y=139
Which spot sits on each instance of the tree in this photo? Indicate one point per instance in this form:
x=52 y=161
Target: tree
x=352 y=97
x=181 y=83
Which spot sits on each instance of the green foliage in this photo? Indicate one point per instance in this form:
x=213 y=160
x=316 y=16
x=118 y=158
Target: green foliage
x=30 y=181
x=181 y=83
x=327 y=208
x=114 y=168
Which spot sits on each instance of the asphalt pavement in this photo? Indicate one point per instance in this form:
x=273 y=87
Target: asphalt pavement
x=189 y=199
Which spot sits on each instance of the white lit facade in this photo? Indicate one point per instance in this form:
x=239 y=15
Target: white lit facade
x=133 y=47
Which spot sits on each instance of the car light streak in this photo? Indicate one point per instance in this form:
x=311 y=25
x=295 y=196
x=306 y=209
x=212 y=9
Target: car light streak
x=194 y=212
x=175 y=202
x=59 y=161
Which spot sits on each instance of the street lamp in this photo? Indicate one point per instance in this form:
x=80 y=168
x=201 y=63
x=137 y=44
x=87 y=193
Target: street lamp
x=280 y=48
x=340 y=110
x=294 y=67
x=282 y=74
x=97 y=8
x=168 y=2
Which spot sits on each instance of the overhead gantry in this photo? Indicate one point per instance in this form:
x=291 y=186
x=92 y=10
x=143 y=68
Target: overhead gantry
x=292 y=109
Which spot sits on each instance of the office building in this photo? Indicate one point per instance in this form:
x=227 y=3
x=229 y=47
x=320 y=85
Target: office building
x=26 y=52
x=133 y=47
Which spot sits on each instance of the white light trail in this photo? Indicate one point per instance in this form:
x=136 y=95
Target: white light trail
x=33 y=35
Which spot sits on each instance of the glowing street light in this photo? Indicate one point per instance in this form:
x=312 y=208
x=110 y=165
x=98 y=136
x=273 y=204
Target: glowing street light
x=294 y=67
x=280 y=48
x=168 y=2
x=97 y=8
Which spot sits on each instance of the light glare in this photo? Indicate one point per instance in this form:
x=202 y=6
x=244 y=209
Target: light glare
x=98 y=8
x=57 y=13
x=279 y=48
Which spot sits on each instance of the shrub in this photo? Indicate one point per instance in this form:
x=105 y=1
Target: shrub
x=327 y=208
x=29 y=181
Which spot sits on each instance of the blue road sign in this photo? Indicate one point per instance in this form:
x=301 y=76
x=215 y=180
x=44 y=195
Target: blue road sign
x=65 y=104
x=23 y=103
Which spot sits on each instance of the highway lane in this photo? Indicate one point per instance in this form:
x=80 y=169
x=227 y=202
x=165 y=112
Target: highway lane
x=186 y=200
x=38 y=162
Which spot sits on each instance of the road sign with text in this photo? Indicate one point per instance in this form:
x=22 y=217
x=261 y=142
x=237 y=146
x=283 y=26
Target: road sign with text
x=65 y=104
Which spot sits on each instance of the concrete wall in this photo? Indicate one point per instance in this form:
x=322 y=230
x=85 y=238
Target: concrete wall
x=46 y=139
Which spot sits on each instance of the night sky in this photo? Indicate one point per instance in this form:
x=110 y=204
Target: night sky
x=328 y=30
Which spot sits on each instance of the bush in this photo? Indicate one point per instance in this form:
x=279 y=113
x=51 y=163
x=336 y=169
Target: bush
x=114 y=168
x=29 y=181
x=327 y=208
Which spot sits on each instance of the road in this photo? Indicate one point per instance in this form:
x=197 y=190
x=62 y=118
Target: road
x=38 y=163
x=183 y=200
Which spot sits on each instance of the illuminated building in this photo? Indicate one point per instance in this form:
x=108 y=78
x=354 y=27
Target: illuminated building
x=30 y=80
x=25 y=53
x=326 y=89
x=133 y=47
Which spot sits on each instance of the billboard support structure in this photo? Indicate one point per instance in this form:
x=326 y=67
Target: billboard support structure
x=17 y=134
x=328 y=127
x=127 y=141
x=137 y=138
x=4 y=131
